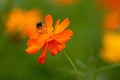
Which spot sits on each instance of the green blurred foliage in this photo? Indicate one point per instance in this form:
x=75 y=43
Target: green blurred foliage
x=85 y=21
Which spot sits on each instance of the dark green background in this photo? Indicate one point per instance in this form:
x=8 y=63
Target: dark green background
x=85 y=21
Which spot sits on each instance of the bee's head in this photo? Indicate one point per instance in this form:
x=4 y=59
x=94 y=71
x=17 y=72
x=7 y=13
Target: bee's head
x=39 y=24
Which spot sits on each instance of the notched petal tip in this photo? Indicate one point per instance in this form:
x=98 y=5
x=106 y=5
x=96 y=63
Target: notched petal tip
x=67 y=20
x=65 y=23
x=41 y=59
x=55 y=53
x=48 y=16
x=48 y=20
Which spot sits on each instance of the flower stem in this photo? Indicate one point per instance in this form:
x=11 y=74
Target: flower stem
x=108 y=67
x=94 y=73
x=73 y=65
x=92 y=62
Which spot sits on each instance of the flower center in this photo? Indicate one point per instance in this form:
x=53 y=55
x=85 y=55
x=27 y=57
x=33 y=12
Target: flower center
x=41 y=28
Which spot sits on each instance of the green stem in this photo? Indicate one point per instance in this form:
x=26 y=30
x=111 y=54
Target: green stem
x=108 y=67
x=73 y=65
x=94 y=73
x=92 y=60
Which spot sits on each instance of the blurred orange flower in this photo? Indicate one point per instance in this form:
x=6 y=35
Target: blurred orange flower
x=111 y=47
x=112 y=20
x=66 y=2
x=19 y=20
x=111 y=4
x=47 y=37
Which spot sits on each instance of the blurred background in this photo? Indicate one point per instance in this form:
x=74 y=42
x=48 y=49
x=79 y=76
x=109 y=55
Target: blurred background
x=94 y=47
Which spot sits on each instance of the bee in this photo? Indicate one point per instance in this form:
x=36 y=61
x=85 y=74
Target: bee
x=41 y=28
x=39 y=25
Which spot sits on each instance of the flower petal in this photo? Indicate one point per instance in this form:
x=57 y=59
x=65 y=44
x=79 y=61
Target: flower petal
x=32 y=33
x=31 y=42
x=32 y=49
x=59 y=28
x=57 y=23
x=35 y=45
x=42 y=56
x=55 y=47
x=64 y=36
x=41 y=39
x=48 y=21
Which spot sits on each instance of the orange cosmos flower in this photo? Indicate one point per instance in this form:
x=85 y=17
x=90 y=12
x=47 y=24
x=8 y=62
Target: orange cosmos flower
x=111 y=47
x=111 y=4
x=48 y=38
x=19 y=20
x=112 y=20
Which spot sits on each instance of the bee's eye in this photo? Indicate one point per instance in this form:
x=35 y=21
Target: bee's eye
x=39 y=24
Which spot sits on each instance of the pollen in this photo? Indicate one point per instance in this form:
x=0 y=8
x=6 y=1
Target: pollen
x=42 y=29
